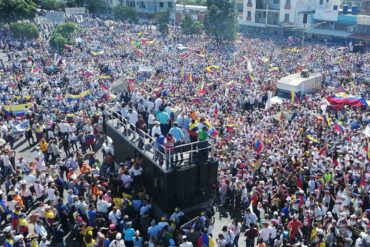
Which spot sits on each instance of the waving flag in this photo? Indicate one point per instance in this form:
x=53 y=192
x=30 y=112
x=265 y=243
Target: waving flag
x=18 y=110
x=327 y=119
x=22 y=126
x=295 y=99
x=35 y=69
x=338 y=127
x=249 y=78
x=258 y=146
x=313 y=139
x=323 y=151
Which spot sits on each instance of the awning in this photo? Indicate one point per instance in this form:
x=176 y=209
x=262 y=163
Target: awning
x=336 y=33
x=360 y=36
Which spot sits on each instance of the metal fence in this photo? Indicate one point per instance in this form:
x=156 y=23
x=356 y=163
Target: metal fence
x=181 y=154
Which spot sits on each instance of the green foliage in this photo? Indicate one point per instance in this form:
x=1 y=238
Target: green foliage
x=66 y=29
x=63 y=35
x=24 y=31
x=50 y=4
x=124 y=13
x=97 y=6
x=191 y=26
x=221 y=20
x=57 y=41
x=14 y=10
x=162 y=19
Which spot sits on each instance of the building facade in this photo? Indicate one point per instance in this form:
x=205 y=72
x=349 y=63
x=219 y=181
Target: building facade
x=335 y=18
x=283 y=13
x=146 y=6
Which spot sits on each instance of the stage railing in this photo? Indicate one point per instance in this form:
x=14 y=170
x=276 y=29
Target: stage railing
x=167 y=158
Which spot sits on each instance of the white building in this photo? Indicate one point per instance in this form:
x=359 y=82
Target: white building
x=286 y=13
x=146 y=6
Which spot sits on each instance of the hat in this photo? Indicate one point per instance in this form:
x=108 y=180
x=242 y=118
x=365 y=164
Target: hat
x=112 y=226
x=119 y=236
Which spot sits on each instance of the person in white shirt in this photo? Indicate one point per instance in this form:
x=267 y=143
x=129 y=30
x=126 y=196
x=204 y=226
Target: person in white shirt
x=114 y=216
x=186 y=243
x=133 y=117
x=51 y=193
x=118 y=242
x=40 y=229
x=156 y=129
x=228 y=235
x=127 y=180
x=235 y=227
x=250 y=217
x=102 y=206
x=265 y=233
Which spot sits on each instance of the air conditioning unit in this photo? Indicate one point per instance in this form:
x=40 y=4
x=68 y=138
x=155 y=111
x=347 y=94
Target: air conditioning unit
x=305 y=74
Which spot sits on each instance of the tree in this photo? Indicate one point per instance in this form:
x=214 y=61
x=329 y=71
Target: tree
x=50 y=4
x=124 y=13
x=14 y=10
x=24 y=31
x=191 y=26
x=66 y=29
x=162 y=19
x=97 y=6
x=221 y=20
x=57 y=41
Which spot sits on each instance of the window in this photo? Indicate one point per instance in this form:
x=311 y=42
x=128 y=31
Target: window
x=249 y=1
x=170 y=5
x=305 y=18
x=249 y=14
x=161 y=4
x=321 y=2
x=276 y=1
x=286 y=17
x=287 y=2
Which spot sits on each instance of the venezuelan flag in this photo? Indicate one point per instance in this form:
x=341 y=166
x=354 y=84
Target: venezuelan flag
x=327 y=119
x=17 y=110
x=96 y=53
x=294 y=97
x=347 y=100
x=213 y=69
x=338 y=127
x=313 y=139
x=78 y=97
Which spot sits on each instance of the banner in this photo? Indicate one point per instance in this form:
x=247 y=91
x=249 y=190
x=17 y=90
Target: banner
x=17 y=110
x=78 y=97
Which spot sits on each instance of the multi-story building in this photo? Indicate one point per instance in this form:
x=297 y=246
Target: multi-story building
x=315 y=18
x=283 y=13
x=146 y=6
x=363 y=6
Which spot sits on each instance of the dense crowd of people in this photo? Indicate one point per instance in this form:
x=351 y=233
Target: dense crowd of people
x=307 y=183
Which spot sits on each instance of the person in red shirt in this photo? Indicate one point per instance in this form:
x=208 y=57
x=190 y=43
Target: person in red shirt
x=294 y=225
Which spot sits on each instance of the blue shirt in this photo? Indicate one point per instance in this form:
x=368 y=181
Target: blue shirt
x=129 y=234
x=153 y=231
x=163 y=117
x=92 y=217
x=177 y=133
x=138 y=241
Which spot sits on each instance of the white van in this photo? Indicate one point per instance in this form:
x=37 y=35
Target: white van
x=300 y=83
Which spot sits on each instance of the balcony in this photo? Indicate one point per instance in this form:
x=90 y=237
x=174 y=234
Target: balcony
x=249 y=18
x=287 y=6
